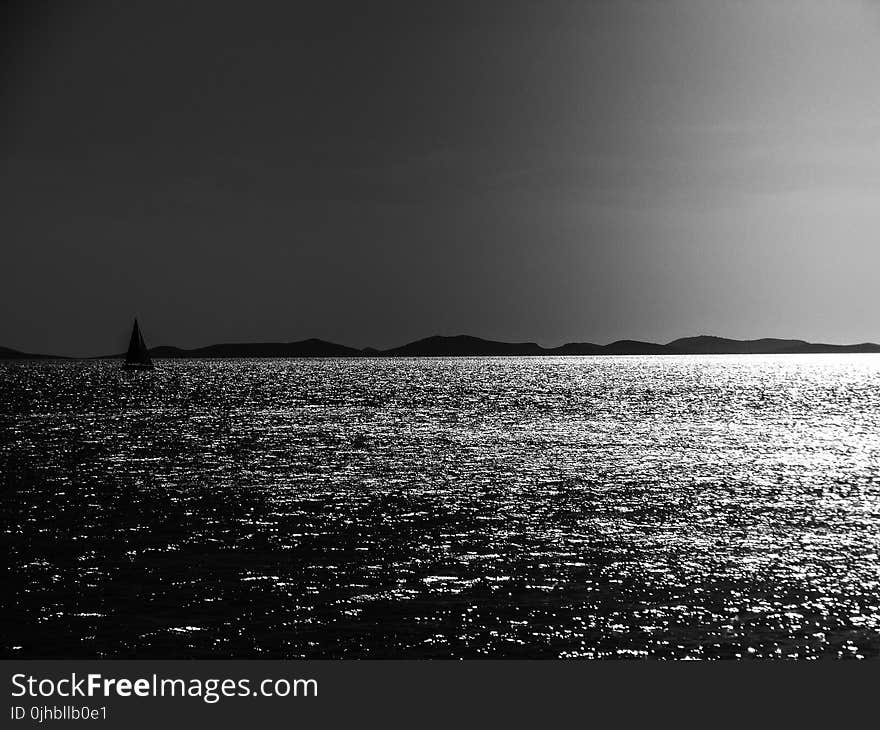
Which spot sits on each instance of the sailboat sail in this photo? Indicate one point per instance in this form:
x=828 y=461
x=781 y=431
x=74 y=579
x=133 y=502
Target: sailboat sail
x=137 y=354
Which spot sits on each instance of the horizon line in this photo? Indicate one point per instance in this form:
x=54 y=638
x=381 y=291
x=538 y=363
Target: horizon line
x=686 y=345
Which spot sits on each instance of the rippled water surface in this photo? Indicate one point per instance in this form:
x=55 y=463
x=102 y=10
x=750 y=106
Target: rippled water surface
x=722 y=506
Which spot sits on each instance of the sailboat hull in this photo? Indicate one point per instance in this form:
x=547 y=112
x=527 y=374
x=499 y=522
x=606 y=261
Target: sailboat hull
x=138 y=366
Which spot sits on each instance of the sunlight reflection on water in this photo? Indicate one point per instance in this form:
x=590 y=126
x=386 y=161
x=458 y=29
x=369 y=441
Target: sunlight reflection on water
x=690 y=506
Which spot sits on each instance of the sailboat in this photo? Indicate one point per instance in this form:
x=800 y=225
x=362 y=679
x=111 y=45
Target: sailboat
x=137 y=357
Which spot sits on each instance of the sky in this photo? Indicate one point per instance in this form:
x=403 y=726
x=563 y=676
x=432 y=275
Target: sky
x=373 y=173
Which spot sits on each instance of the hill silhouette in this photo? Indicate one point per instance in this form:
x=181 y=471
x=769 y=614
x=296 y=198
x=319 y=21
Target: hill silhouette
x=7 y=353
x=438 y=346
x=303 y=348
x=709 y=345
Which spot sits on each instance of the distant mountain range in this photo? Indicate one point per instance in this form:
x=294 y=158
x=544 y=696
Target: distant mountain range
x=465 y=345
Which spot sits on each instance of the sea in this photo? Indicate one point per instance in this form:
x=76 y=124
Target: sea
x=661 y=507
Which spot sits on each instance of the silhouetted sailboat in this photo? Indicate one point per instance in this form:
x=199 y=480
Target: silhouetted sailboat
x=137 y=357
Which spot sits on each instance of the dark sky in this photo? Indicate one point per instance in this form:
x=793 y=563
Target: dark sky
x=373 y=172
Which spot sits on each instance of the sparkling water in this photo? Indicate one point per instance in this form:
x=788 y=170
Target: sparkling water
x=718 y=506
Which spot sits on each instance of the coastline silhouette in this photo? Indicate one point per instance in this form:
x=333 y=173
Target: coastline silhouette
x=470 y=346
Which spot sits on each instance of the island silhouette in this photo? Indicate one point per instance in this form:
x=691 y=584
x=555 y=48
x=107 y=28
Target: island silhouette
x=469 y=346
